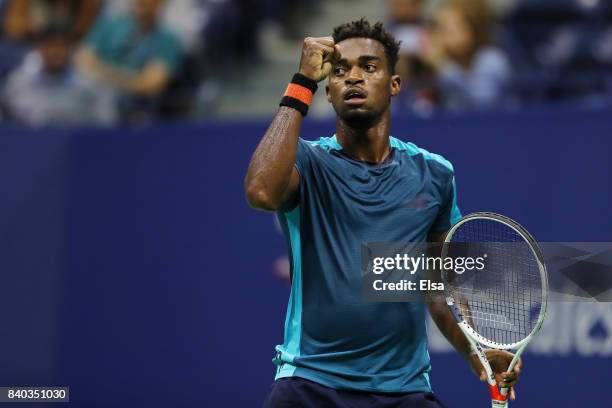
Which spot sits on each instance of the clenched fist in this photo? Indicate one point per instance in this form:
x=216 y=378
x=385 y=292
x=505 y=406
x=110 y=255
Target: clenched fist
x=317 y=55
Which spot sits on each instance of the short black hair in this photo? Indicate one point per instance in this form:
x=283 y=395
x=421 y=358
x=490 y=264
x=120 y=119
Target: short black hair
x=363 y=29
x=55 y=30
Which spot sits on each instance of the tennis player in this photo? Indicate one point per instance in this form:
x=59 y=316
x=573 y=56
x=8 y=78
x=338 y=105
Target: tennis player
x=359 y=185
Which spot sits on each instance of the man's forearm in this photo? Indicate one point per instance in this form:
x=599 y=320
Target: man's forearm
x=150 y=81
x=437 y=306
x=90 y=64
x=269 y=173
x=448 y=326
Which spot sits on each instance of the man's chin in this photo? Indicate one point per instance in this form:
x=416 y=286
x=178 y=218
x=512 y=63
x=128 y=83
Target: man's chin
x=358 y=116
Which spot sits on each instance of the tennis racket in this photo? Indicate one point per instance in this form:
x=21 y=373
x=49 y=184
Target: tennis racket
x=502 y=305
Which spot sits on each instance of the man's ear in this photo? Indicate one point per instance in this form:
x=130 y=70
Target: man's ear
x=327 y=93
x=396 y=85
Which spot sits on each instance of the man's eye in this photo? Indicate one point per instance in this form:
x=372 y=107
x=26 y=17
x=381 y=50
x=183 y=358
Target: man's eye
x=370 y=68
x=339 y=71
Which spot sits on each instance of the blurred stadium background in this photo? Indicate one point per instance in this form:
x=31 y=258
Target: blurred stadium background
x=132 y=269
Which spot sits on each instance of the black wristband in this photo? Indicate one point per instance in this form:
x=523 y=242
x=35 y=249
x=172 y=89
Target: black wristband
x=305 y=81
x=295 y=104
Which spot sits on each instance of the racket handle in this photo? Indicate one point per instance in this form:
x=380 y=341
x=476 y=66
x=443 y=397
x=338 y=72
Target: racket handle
x=498 y=399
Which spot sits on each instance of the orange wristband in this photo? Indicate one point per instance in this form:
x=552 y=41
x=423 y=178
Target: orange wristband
x=299 y=93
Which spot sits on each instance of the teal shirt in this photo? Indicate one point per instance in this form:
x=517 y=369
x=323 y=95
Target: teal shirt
x=116 y=41
x=332 y=335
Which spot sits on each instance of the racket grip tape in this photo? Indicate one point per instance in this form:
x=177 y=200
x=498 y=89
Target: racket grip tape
x=498 y=399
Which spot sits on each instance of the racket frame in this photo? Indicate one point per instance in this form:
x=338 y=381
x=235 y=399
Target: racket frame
x=498 y=397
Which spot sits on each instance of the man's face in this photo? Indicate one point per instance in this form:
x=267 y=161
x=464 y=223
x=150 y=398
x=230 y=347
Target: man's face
x=405 y=11
x=360 y=84
x=455 y=33
x=55 y=51
x=146 y=11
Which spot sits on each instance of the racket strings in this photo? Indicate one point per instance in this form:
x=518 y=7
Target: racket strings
x=502 y=301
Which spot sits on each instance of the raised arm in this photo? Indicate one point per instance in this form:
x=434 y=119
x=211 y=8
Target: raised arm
x=272 y=179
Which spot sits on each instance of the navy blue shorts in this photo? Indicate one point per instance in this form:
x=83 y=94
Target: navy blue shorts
x=294 y=392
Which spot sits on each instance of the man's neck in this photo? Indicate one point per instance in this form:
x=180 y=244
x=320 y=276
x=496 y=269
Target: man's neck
x=146 y=26
x=369 y=144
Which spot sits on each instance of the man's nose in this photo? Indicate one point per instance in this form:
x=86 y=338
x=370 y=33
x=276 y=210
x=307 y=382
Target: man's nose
x=354 y=77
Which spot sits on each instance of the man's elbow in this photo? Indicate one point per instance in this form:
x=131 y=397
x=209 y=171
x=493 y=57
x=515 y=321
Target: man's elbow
x=149 y=89
x=260 y=199
x=83 y=58
x=436 y=304
x=152 y=81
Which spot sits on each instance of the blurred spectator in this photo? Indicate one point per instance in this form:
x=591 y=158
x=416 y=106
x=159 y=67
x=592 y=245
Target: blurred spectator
x=134 y=54
x=407 y=24
x=232 y=32
x=471 y=72
x=186 y=18
x=25 y=19
x=566 y=43
x=45 y=89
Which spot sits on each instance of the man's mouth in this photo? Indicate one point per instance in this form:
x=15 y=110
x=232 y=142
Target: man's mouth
x=355 y=96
